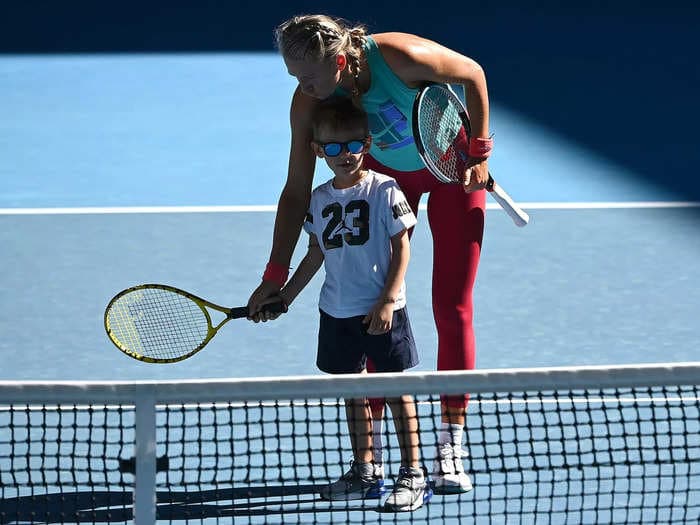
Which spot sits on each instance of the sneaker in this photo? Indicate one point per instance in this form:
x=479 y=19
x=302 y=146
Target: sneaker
x=448 y=471
x=362 y=481
x=379 y=490
x=411 y=491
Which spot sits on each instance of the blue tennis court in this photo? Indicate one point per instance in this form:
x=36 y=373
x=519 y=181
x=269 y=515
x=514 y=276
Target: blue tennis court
x=577 y=286
x=117 y=170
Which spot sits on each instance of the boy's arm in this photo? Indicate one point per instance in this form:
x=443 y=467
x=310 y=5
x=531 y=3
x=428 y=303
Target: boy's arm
x=400 y=254
x=380 y=317
x=308 y=267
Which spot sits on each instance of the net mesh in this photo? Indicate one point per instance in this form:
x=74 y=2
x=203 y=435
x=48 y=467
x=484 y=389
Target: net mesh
x=568 y=455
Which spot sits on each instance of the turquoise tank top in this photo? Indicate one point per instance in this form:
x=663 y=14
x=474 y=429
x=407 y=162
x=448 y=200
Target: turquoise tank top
x=389 y=106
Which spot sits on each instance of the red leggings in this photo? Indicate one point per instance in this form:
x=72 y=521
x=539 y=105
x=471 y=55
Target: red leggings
x=456 y=221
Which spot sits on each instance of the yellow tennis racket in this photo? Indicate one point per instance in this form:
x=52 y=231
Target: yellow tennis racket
x=157 y=323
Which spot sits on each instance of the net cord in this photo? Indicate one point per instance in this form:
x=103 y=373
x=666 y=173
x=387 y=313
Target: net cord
x=352 y=385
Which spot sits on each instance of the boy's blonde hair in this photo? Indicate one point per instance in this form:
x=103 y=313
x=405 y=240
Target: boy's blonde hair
x=339 y=113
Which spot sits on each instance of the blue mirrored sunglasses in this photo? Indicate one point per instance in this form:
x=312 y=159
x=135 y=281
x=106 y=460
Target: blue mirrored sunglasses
x=333 y=149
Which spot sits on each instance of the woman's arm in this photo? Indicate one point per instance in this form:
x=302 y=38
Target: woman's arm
x=416 y=60
x=294 y=200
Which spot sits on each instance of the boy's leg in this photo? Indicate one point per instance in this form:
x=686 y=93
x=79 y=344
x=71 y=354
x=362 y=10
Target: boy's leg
x=405 y=417
x=397 y=352
x=361 y=481
x=360 y=429
x=411 y=489
x=340 y=353
x=413 y=184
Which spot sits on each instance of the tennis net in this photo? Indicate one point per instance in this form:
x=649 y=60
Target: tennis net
x=560 y=445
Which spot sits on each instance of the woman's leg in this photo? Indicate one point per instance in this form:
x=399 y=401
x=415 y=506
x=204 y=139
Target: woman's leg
x=457 y=225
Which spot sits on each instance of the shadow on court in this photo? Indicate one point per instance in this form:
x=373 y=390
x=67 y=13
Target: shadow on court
x=116 y=506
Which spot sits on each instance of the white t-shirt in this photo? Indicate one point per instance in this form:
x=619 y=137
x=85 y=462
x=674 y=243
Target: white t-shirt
x=354 y=227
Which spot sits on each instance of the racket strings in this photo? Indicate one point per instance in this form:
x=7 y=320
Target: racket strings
x=159 y=324
x=443 y=134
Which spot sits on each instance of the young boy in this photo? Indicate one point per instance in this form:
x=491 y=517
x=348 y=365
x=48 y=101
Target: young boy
x=358 y=228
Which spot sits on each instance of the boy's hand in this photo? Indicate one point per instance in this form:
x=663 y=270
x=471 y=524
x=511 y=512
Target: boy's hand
x=379 y=319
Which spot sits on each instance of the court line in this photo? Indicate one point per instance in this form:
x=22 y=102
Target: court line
x=88 y=210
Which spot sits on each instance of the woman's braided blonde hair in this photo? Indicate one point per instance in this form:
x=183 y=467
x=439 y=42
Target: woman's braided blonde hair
x=319 y=37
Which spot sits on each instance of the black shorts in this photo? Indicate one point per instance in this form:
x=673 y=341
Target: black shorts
x=344 y=345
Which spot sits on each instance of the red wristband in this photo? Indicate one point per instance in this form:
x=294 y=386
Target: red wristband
x=480 y=148
x=276 y=273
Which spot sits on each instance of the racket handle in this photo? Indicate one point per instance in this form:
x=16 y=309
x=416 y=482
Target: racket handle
x=519 y=216
x=242 y=311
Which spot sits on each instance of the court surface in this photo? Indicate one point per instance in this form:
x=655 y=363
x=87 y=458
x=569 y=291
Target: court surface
x=584 y=283
x=119 y=170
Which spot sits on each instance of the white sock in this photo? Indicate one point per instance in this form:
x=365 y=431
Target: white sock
x=377 y=448
x=451 y=433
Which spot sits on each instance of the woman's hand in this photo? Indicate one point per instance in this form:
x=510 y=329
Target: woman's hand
x=266 y=293
x=476 y=176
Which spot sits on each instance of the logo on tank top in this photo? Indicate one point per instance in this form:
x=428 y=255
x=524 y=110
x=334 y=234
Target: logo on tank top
x=390 y=129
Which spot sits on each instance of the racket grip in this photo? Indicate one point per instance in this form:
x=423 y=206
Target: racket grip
x=274 y=308
x=515 y=212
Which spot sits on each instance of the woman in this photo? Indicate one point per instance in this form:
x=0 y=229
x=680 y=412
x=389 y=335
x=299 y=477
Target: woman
x=382 y=73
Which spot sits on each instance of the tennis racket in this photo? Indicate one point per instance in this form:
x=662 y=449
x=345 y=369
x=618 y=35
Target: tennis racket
x=441 y=130
x=157 y=323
